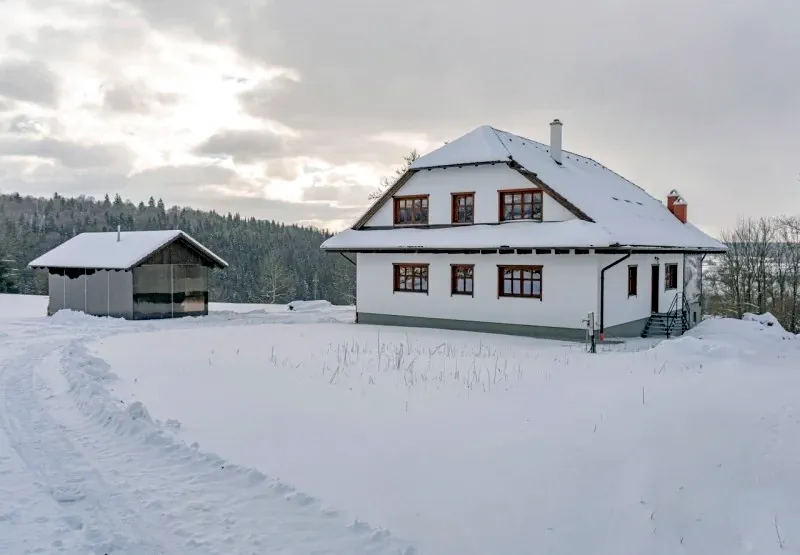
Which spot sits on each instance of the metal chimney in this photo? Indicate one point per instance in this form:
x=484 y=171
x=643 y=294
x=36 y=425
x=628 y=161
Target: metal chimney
x=555 y=140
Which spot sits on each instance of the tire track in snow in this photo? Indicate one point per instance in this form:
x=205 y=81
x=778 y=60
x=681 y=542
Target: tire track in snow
x=88 y=504
x=221 y=506
x=123 y=485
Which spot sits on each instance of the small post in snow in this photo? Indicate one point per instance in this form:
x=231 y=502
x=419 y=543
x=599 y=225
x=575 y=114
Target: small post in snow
x=119 y=232
x=590 y=334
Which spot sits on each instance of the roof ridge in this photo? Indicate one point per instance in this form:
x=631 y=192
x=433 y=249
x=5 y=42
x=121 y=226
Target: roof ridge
x=499 y=140
x=582 y=156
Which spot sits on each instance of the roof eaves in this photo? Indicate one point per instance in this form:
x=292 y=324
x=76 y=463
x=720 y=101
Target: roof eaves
x=387 y=194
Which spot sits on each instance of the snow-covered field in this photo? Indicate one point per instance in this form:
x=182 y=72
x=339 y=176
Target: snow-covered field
x=263 y=430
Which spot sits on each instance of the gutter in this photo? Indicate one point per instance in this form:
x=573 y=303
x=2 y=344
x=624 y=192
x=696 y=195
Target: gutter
x=603 y=291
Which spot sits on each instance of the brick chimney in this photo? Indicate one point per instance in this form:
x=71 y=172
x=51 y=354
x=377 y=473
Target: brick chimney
x=555 y=141
x=679 y=208
x=671 y=198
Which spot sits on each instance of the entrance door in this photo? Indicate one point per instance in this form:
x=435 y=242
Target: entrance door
x=654 y=290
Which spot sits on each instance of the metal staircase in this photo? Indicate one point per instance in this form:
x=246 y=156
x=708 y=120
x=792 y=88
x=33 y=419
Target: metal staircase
x=674 y=322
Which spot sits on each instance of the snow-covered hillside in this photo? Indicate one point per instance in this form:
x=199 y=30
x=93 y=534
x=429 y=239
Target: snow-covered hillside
x=264 y=430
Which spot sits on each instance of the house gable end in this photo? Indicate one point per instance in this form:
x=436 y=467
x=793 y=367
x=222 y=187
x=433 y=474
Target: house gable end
x=178 y=251
x=482 y=181
x=387 y=194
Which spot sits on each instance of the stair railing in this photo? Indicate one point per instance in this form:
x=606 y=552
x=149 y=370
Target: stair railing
x=675 y=311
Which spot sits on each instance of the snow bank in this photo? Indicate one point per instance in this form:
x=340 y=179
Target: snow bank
x=307 y=306
x=279 y=516
x=750 y=328
x=766 y=319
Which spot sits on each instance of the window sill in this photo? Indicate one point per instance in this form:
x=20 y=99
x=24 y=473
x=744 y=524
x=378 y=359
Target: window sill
x=519 y=297
x=635 y=295
x=422 y=224
x=519 y=220
x=454 y=294
x=417 y=292
x=461 y=223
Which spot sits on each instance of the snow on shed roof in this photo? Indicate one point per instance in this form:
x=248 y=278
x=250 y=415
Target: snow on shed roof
x=103 y=251
x=627 y=214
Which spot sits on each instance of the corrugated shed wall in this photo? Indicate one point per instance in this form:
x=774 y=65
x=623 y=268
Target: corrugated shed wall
x=96 y=292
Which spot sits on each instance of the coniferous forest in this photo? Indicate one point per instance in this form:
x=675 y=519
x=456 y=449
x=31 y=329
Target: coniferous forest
x=269 y=262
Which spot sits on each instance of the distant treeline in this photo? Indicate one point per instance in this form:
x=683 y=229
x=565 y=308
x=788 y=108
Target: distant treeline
x=269 y=262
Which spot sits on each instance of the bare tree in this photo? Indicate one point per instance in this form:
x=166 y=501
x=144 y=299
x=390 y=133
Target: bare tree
x=387 y=182
x=276 y=281
x=760 y=272
x=789 y=237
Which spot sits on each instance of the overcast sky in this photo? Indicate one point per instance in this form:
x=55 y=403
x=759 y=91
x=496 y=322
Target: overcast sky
x=293 y=110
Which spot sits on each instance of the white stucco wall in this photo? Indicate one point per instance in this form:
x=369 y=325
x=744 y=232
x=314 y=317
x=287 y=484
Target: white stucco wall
x=484 y=181
x=618 y=306
x=569 y=289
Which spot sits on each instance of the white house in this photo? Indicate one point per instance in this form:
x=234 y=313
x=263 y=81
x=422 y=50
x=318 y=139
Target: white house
x=498 y=233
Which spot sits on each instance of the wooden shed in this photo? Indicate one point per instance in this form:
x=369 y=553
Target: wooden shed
x=136 y=275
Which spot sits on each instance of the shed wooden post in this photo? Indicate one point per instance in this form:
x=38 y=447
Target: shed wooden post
x=85 y=300
x=172 y=290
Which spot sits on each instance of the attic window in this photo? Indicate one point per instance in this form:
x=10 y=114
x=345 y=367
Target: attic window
x=411 y=210
x=463 y=208
x=520 y=204
x=615 y=198
x=639 y=203
x=629 y=202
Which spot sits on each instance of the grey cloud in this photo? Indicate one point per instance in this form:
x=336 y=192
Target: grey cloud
x=281 y=211
x=28 y=81
x=243 y=146
x=5 y=106
x=185 y=176
x=135 y=97
x=354 y=196
x=339 y=147
x=24 y=124
x=118 y=33
x=71 y=155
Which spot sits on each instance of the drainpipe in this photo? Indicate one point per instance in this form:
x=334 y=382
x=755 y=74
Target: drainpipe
x=702 y=291
x=603 y=291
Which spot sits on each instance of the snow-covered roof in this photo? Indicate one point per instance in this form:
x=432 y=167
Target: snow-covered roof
x=623 y=213
x=103 y=251
x=522 y=234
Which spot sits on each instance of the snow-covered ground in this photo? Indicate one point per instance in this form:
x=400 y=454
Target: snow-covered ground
x=263 y=430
